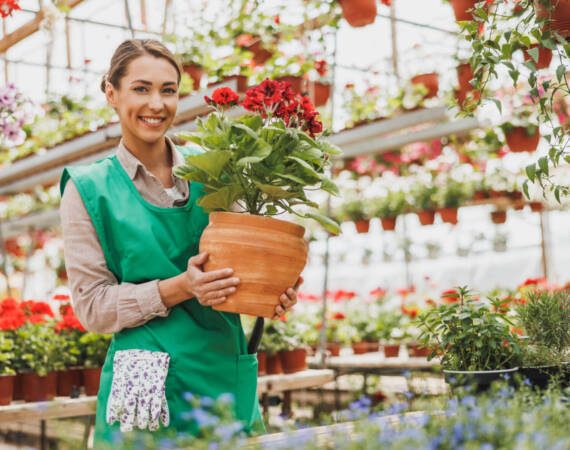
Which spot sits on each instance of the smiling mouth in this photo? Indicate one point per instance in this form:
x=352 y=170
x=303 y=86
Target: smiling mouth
x=152 y=121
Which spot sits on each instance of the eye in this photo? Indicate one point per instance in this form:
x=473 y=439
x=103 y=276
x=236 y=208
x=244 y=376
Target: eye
x=170 y=91
x=139 y=87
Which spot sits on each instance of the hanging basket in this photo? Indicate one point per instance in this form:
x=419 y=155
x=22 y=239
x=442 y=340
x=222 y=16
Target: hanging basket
x=559 y=16
x=362 y=226
x=195 y=72
x=359 y=13
x=536 y=206
x=266 y=254
x=518 y=140
x=430 y=81
x=461 y=9
x=260 y=53
x=297 y=83
x=544 y=56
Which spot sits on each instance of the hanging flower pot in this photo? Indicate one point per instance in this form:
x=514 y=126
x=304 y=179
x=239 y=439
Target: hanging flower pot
x=6 y=389
x=544 y=56
x=536 y=206
x=461 y=9
x=320 y=93
x=293 y=360
x=91 y=379
x=519 y=140
x=426 y=217
x=254 y=44
x=195 y=72
x=359 y=13
x=360 y=348
x=388 y=223
x=362 y=226
x=297 y=83
x=38 y=388
x=273 y=365
x=464 y=76
x=558 y=14
x=242 y=82
x=430 y=81
x=448 y=215
x=66 y=379
x=416 y=350
x=499 y=216
x=391 y=350
x=266 y=254
x=261 y=363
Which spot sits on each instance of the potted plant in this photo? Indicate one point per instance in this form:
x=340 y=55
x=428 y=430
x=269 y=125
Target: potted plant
x=451 y=196
x=424 y=202
x=232 y=67
x=362 y=107
x=357 y=212
x=70 y=331
x=366 y=334
x=359 y=13
x=391 y=334
x=193 y=53
x=7 y=374
x=290 y=69
x=473 y=338
x=430 y=81
x=499 y=216
x=260 y=164
x=93 y=349
x=320 y=85
x=273 y=343
x=387 y=208
x=541 y=56
x=410 y=97
x=294 y=354
x=463 y=9
x=338 y=332
x=545 y=318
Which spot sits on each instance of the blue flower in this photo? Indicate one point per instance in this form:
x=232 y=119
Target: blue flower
x=206 y=402
x=204 y=418
x=166 y=443
x=409 y=394
x=365 y=401
x=468 y=401
x=188 y=396
x=486 y=446
x=228 y=431
x=226 y=398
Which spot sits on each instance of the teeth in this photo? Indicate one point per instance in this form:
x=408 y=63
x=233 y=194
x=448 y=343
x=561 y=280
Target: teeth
x=151 y=121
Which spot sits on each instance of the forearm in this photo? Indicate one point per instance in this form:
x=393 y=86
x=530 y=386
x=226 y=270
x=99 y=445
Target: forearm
x=174 y=290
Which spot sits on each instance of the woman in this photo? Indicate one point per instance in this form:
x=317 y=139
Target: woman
x=131 y=233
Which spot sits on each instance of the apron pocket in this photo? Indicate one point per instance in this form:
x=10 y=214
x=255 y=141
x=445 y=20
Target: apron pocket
x=246 y=389
x=137 y=396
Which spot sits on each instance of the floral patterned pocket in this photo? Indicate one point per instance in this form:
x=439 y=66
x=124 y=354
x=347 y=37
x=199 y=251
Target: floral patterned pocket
x=138 y=397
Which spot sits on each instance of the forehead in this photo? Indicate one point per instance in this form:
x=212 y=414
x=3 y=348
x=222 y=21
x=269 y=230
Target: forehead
x=151 y=68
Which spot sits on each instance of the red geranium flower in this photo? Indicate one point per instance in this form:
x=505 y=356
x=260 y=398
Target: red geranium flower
x=223 y=98
x=321 y=67
x=338 y=316
x=7 y=6
x=61 y=297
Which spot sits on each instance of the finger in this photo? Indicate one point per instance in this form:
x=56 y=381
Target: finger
x=220 y=284
x=286 y=301
x=219 y=293
x=298 y=283
x=214 y=275
x=216 y=301
x=199 y=259
x=279 y=310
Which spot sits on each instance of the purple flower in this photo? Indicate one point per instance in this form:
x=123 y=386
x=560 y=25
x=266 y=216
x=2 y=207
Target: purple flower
x=13 y=133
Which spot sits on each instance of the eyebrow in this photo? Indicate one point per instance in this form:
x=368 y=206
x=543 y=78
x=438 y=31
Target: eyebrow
x=149 y=83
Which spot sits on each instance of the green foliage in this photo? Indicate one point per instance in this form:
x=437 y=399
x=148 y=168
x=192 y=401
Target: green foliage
x=471 y=334
x=424 y=197
x=453 y=193
x=355 y=210
x=390 y=205
x=70 y=353
x=263 y=166
x=6 y=354
x=94 y=348
x=37 y=349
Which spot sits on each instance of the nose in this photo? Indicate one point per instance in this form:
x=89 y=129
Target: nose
x=155 y=102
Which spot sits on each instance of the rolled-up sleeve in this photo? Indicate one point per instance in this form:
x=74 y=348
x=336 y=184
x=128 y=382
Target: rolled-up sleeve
x=101 y=303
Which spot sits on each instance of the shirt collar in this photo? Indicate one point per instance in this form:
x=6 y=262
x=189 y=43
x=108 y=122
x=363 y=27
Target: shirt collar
x=131 y=163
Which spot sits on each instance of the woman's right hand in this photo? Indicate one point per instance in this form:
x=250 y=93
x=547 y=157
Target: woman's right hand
x=210 y=288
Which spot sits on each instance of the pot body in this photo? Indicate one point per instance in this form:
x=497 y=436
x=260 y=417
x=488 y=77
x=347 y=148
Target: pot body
x=426 y=217
x=536 y=206
x=66 y=379
x=559 y=17
x=274 y=365
x=293 y=360
x=19 y=387
x=461 y=7
x=388 y=223
x=391 y=350
x=6 y=389
x=519 y=141
x=266 y=254
x=37 y=388
x=297 y=83
x=320 y=93
x=362 y=226
x=91 y=379
x=195 y=72
x=448 y=215
x=260 y=53
x=418 y=351
x=333 y=348
x=481 y=379
x=359 y=13
x=430 y=81
x=360 y=347
x=544 y=57
x=261 y=363
x=499 y=216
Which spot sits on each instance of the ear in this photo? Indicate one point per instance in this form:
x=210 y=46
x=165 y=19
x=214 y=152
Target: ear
x=111 y=95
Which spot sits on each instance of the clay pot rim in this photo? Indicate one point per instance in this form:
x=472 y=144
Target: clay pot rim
x=257 y=221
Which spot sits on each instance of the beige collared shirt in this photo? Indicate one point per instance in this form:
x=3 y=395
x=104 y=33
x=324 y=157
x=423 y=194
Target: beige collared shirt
x=101 y=303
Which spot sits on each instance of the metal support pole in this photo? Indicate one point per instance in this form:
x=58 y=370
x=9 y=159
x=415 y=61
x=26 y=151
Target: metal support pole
x=129 y=21
x=4 y=262
x=545 y=243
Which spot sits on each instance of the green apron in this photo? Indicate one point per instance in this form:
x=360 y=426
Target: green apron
x=143 y=242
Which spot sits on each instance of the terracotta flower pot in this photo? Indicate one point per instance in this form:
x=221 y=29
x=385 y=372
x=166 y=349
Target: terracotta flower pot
x=416 y=350
x=515 y=195
x=362 y=226
x=297 y=83
x=293 y=360
x=430 y=81
x=461 y=7
x=333 y=348
x=544 y=56
x=266 y=254
x=66 y=379
x=320 y=93
x=260 y=53
x=448 y=215
x=38 y=388
x=519 y=141
x=480 y=195
x=6 y=389
x=464 y=76
x=499 y=216
x=426 y=217
x=391 y=350
x=273 y=365
x=388 y=223
x=91 y=379
x=559 y=17
x=360 y=347
x=359 y=13
x=195 y=72
x=536 y=206
x=242 y=81
x=261 y=363
x=19 y=387
x=493 y=193
x=373 y=346
x=467 y=96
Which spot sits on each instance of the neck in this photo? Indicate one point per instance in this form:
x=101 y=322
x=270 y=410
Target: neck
x=153 y=155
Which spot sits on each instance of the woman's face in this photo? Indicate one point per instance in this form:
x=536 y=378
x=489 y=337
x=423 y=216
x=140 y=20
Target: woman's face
x=147 y=98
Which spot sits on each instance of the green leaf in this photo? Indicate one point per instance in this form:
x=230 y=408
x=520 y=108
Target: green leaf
x=249 y=131
x=294 y=178
x=328 y=186
x=211 y=162
x=543 y=164
x=326 y=222
x=212 y=122
x=306 y=166
x=514 y=75
x=221 y=200
x=560 y=71
x=533 y=52
x=498 y=104
x=274 y=191
x=329 y=148
x=261 y=151
x=254 y=122
x=530 y=172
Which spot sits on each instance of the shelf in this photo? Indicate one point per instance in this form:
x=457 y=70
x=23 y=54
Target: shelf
x=36 y=221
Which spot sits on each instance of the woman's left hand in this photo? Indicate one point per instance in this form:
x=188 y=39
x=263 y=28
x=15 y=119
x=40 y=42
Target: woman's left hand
x=287 y=299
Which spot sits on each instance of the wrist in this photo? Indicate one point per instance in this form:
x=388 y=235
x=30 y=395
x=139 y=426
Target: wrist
x=185 y=285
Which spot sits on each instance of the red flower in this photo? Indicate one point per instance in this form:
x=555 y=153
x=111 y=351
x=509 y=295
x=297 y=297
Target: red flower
x=388 y=2
x=36 y=318
x=11 y=321
x=450 y=296
x=69 y=322
x=41 y=308
x=276 y=19
x=412 y=312
x=349 y=85
x=338 y=316
x=223 y=97
x=378 y=292
x=245 y=40
x=430 y=302
x=61 y=297
x=321 y=67
x=9 y=305
x=7 y=6
x=378 y=397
